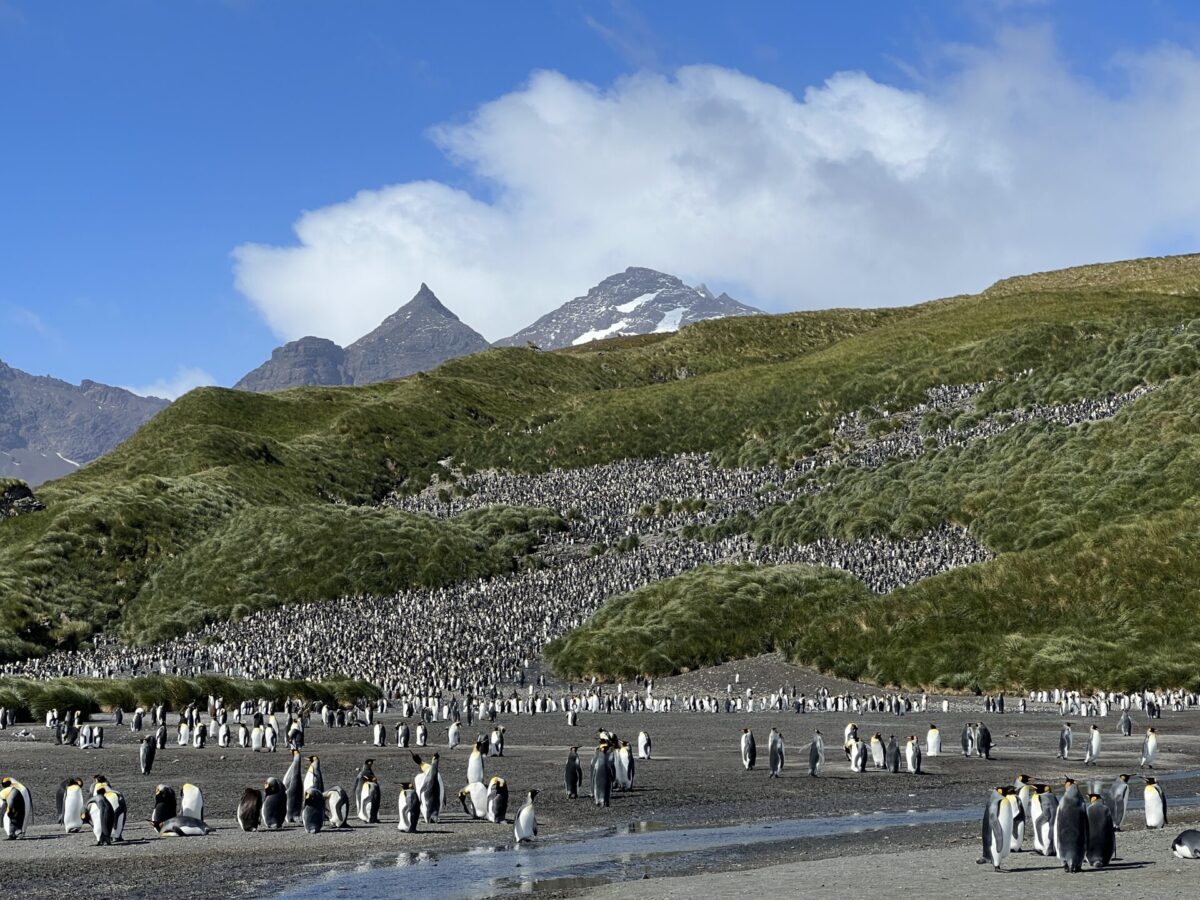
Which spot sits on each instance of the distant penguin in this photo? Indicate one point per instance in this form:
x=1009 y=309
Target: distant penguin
x=367 y=772
x=409 y=808
x=274 y=808
x=775 y=753
x=891 y=755
x=1187 y=845
x=452 y=736
x=474 y=800
x=293 y=783
x=191 y=802
x=475 y=763
x=1044 y=810
x=312 y=813
x=380 y=734
x=146 y=754
x=997 y=827
x=1101 y=833
x=430 y=788
x=1070 y=829
x=422 y=734
x=983 y=741
x=749 y=751
x=1156 y=804
x=525 y=825
x=643 y=745
x=497 y=801
x=1118 y=799
x=99 y=814
x=933 y=741
x=1125 y=724
x=73 y=801
x=1092 y=750
x=1149 y=748
x=816 y=754
x=166 y=804
x=912 y=755
x=337 y=807
x=368 y=801
x=403 y=734
x=249 y=811
x=601 y=777
x=573 y=774
x=1065 y=739
x=313 y=780
x=184 y=826
x=878 y=751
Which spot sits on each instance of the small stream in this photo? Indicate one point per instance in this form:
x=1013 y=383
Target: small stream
x=579 y=860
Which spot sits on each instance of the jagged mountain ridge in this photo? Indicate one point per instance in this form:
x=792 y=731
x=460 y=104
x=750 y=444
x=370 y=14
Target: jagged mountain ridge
x=419 y=336
x=636 y=301
x=49 y=428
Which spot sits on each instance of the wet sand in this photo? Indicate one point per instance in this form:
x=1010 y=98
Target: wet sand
x=695 y=779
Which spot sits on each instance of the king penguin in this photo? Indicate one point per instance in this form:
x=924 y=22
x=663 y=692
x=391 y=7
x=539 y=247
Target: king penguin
x=1071 y=828
x=249 y=811
x=1101 y=834
x=816 y=754
x=410 y=808
x=274 y=808
x=1118 y=799
x=525 y=826
x=749 y=751
x=1156 y=804
x=1149 y=748
x=775 y=752
x=573 y=776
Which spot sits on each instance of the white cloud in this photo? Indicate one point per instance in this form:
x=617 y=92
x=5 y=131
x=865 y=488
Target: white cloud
x=185 y=379
x=856 y=193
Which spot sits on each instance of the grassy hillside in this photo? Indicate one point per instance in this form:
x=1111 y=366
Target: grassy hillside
x=227 y=502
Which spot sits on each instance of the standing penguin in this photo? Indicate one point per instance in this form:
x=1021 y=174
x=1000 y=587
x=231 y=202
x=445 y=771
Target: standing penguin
x=1118 y=799
x=749 y=751
x=997 y=827
x=422 y=734
x=337 y=807
x=525 y=825
x=367 y=771
x=1092 y=751
x=573 y=776
x=293 y=783
x=166 y=804
x=1044 y=807
x=816 y=754
x=313 y=780
x=625 y=767
x=1156 y=804
x=497 y=801
x=402 y=734
x=146 y=754
x=1071 y=829
x=249 y=811
x=983 y=741
x=192 y=802
x=912 y=755
x=1125 y=724
x=474 y=800
x=368 y=800
x=99 y=814
x=643 y=745
x=14 y=810
x=878 y=751
x=380 y=735
x=72 y=806
x=968 y=739
x=775 y=753
x=1149 y=748
x=601 y=777
x=430 y=789
x=61 y=794
x=452 y=736
x=410 y=808
x=1102 y=835
x=1022 y=819
x=313 y=812
x=891 y=755
x=933 y=741
x=274 y=807
x=475 y=763
x=1065 y=739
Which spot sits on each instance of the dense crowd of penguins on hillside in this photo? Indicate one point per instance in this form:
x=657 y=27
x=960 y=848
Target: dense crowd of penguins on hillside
x=477 y=636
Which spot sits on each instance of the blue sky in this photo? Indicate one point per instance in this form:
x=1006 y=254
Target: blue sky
x=146 y=142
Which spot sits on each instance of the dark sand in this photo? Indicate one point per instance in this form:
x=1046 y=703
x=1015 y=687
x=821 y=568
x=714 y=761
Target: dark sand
x=695 y=779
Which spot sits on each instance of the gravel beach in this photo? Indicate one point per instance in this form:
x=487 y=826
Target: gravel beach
x=694 y=780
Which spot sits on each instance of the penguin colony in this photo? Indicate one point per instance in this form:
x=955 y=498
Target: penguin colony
x=495 y=626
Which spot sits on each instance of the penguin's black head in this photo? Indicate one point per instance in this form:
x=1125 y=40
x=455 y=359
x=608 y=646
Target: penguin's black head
x=533 y=794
